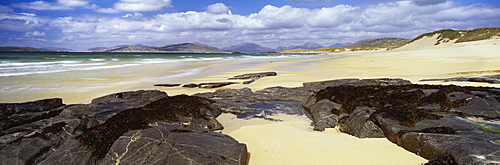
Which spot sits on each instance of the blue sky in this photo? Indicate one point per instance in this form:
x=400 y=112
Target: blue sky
x=83 y=24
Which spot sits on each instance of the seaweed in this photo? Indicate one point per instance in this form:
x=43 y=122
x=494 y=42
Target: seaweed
x=100 y=138
x=397 y=102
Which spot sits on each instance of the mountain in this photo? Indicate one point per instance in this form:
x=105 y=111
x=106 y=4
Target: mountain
x=96 y=48
x=380 y=42
x=247 y=48
x=118 y=46
x=129 y=49
x=22 y=49
x=56 y=48
x=189 y=48
x=177 y=48
x=309 y=45
x=339 y=45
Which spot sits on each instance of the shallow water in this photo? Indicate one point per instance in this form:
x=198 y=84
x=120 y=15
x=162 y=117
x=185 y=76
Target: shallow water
x=78 y=77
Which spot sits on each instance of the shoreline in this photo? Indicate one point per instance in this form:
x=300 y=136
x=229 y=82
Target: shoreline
x=293 y=141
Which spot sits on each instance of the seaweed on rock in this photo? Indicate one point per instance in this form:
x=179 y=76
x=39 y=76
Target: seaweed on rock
x=399 y=102
x=100 y=138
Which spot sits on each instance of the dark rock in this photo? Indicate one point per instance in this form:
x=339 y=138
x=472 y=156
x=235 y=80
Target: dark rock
x=129 y=127
x=215 y=85
x=191 y=86
x=15 y=114
x=179 y=147
x=445 y=159
x=34 y=106
x=358 y=82
x=482 y=106
x=138 y=97
x=325 y=114
x=359 y=125
x=267 y=109
x=421 y=118
x=233 y=100
x=253 y=75
x=167 y=85
x=249 y=81
x=492 y=79
x=99 y=139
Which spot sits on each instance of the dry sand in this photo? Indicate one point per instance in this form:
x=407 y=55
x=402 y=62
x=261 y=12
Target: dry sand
x=293 y=141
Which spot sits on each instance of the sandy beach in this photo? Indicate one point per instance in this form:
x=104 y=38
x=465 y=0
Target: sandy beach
x=293 y=141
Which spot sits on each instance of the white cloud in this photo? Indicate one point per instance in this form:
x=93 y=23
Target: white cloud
x=73 y=3
x=134 y=16
x=35 y=34
x=20 y=22
x=42 y=5
x=58 y=5
x=142 y=5
x=271 y=26
x=218 y=8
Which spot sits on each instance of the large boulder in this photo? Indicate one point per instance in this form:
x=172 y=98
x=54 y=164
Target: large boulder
x=358 y=124
x=325 y=114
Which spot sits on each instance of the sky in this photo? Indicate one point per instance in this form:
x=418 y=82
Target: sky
x=84 y=24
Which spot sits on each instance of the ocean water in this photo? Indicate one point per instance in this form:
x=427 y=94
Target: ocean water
x=19 y=64
x=31 y=76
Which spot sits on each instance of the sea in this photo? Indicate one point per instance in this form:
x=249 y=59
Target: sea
x=29 y=76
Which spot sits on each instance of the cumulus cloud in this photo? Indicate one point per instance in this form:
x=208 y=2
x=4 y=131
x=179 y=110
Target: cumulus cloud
x=35 y=34
x=20 y=22
x=142 y=5
x=218 y=8
x=58 y=5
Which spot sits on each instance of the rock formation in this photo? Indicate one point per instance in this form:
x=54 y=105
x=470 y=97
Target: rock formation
x=140 y=127
x=445 y=124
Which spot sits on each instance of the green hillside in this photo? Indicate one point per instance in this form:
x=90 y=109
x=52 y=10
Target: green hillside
x=21 y=49
x=461 y=35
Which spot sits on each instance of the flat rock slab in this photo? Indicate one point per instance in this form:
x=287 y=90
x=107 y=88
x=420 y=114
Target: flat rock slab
x=253 y=75
x=167 y=85
x=492 y=79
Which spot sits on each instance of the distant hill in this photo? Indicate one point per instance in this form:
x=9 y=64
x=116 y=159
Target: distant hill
x=380 y=42
x=247 y=48
x=96 y=48
x=118 y=46
x=178 y=48
x=339 y=45
x=57 y=49
x=22 y=49
x=190 y=47
x=458 y=36
x=309 y=45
